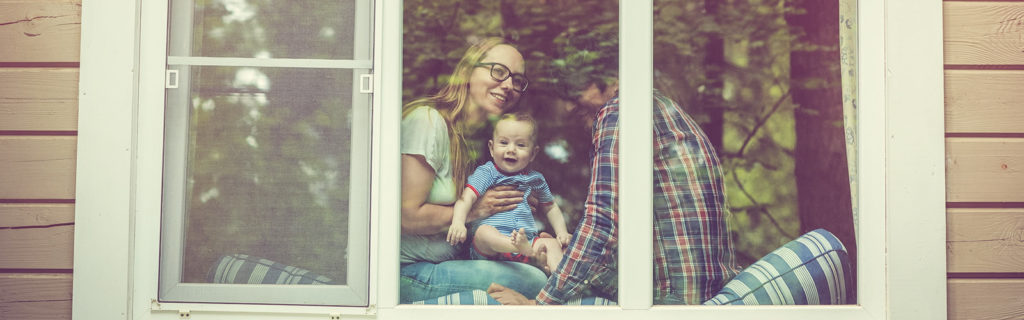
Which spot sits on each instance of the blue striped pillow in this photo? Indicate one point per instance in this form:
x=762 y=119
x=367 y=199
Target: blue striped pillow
x=812 y=269
x=245 y=269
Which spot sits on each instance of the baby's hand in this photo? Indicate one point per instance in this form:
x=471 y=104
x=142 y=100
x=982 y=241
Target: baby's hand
x=564 y=238
x=456 y=234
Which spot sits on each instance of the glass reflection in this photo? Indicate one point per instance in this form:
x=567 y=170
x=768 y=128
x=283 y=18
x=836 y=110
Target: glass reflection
x=768 y=82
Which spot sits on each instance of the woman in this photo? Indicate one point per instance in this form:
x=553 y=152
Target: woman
x=487 y=81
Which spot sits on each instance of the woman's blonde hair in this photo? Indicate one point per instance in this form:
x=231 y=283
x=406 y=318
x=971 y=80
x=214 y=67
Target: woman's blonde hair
x=451 y=102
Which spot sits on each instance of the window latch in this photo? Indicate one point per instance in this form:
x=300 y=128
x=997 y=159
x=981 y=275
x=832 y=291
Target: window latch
x=366 y=83
x=171 y=79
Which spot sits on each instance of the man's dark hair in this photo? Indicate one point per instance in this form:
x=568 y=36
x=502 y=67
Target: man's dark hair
x=585 y=57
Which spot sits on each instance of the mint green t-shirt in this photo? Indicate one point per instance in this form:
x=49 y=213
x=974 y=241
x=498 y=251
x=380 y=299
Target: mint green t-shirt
x=425 y=133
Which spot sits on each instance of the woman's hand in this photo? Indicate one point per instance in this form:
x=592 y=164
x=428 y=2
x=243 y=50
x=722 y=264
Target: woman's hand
x=496 y=199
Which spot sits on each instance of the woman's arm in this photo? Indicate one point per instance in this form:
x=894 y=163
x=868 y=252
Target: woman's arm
x=420 y=217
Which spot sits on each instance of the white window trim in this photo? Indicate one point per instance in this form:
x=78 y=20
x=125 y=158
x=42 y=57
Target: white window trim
x=901 y=167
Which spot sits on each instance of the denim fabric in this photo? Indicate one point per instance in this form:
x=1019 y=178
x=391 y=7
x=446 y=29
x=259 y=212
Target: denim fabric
x=424 y=280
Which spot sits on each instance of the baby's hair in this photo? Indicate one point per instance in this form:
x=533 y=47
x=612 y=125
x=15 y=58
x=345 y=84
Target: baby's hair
x=521 y=117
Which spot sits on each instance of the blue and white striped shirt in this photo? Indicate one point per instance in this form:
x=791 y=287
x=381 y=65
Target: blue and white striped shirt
x=528 y=181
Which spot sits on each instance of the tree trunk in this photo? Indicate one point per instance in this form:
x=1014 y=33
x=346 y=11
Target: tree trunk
x=714 y=67
x=822 y=175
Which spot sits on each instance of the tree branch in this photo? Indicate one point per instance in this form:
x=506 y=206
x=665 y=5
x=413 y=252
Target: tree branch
x=761 y=121
x=760 y=207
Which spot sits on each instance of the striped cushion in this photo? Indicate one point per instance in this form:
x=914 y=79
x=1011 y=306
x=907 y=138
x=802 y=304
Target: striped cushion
x=812 y=269
x=479 y=297
x=244 y=269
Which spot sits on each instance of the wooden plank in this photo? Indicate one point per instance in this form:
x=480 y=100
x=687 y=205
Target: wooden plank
x=983 y=33
x=36 y=236
x=985 y=240
x=40 y=31
x=979 y=299
x=44 y=247
x=35 y=296
x=985 y=169
x=986 y=101
x=38 y=99
x=35 y=215
x=37 y=167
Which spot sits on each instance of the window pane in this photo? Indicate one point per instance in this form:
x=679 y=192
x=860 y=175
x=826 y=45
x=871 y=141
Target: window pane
x=566 y=47
x=265 y=166
x=299 y=29
x=268 y=168
x=753 y=129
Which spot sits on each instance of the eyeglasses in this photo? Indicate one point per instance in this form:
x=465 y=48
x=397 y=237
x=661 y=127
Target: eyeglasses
x=500 y=72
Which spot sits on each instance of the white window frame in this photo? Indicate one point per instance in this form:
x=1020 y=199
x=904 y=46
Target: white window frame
x=902 y=185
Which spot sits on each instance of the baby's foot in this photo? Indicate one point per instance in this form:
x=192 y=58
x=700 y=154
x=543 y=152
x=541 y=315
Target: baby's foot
x=522 y=243
x=541 y=260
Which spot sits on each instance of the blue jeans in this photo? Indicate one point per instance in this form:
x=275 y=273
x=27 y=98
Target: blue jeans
x=425 y=280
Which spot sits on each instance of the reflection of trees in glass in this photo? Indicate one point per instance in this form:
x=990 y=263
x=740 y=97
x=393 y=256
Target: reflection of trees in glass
x=745 y=98
x=270 y=146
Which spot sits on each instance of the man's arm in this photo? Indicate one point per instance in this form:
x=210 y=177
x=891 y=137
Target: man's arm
x=593 y=246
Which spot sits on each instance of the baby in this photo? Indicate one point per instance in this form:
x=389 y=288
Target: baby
x=511 y=235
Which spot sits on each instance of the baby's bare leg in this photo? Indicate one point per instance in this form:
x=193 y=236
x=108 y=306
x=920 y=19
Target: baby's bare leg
x=552 y=250
x=489 y=242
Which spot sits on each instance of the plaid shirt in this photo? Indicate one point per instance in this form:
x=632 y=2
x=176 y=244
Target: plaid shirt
x=693 y=254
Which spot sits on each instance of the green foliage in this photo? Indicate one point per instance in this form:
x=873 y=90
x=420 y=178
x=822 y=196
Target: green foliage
x=270 y=160
x=565 y=41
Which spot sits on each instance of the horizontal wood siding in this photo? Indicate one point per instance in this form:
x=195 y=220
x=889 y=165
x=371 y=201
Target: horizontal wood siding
x=985 y=169
x=37 y=167
x=35 y=296
x=985 y=240
x=986 y=299
x=40 y=31
x=37 y=236
x=983 y=33
x=984 y=104
x=38 y=99
x=985 y=101
x=39 y=54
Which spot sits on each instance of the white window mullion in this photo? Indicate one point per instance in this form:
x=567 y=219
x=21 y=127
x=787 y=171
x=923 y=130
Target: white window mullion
x=275 y=62
x=636 y=183
x=387 y=180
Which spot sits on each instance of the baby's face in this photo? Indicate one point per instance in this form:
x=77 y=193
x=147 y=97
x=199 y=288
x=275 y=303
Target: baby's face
x=512 y=147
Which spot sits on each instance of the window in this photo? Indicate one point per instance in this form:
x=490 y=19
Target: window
x=120 y=180
x=266 y=153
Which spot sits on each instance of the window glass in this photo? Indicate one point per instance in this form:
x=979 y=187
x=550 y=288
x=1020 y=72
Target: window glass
x=754 y=135
x=266 y=159
x=305 y=29
x=562 y=48
x=268 y=168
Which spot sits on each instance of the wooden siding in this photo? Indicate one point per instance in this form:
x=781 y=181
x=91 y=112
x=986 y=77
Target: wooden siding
x=38 y=123
x=35 y=296
x=984 y=90
x=38 y=99
x=40 y=31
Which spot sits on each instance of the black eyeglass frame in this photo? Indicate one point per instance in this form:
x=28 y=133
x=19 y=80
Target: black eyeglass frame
x=510 y=74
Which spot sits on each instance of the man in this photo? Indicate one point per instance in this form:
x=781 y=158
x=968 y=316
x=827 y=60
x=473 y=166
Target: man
x=693 y=253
